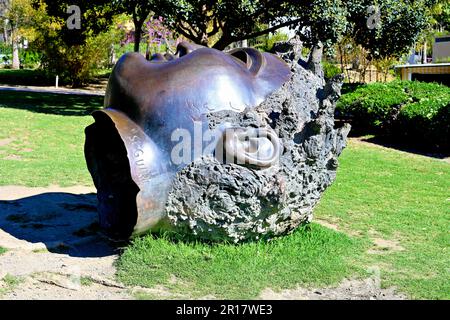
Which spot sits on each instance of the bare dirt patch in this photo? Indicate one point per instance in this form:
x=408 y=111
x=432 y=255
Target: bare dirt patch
x=54 y=248
x=19 y=192
x=327 y=224
x=367 y=289
x=385 y=246
x=335 y=226
x=5 y=142
x=14 y=157
x=63 y=287
x=42 y=230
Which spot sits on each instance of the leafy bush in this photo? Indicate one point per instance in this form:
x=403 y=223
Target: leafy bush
x=330 y=70
x=75 y=64
x=427 y=122
x=414 y=112
x=29 y=59
x=5 y=48
x=266 y=42
x=372 y=107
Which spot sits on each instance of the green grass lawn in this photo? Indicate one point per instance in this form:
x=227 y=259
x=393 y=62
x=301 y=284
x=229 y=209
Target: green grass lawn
x=399 y=201
x=391 y=210
x=401 y=198
x=313 y=255
x=42 y=136
x=2 y=250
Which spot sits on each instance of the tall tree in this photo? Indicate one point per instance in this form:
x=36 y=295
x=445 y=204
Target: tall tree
x=17 y=17
x=219 y=23
x=441 y=16
x=96 y=17
x=74 y=53
x=390 y=27
x=139 y=10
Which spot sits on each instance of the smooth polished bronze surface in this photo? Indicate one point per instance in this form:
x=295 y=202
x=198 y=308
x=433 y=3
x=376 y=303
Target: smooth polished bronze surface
x=129 y=149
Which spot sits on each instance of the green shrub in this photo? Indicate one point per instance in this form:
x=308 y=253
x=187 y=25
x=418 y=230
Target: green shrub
x=266 y=42
x=29 y=59
x=415 y=112
x=330 y=70
x=372 y=107
x=426 y=122
x=5 y=48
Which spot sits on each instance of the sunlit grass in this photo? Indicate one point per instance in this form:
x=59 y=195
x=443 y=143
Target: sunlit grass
x=380 y=195
x=403 y=198
x=41 y=145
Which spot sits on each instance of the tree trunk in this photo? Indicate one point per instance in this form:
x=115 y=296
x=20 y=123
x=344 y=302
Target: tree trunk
x=424 y=56
x=112 y=56
x=137 y=40
x=223 y=42
x=341 y=58
x=15 y=52
x=147 y=51
x=5 y=31
x=137 y=34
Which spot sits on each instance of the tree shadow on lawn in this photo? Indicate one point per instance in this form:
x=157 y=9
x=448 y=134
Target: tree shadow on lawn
x=403 y=146
x=65 y=223
x=51 y=103
x=392 y=143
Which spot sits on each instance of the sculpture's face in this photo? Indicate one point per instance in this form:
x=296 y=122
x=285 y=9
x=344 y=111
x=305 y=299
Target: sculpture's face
x=156 y=122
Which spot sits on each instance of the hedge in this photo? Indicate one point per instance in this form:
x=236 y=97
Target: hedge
x=415 y=112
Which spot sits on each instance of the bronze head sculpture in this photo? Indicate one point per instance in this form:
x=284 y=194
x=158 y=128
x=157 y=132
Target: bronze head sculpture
x=135 y=150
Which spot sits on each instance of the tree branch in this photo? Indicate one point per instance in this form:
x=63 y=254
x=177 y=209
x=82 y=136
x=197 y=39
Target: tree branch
x=268 y=30
x=187 y=33
x=216 y=28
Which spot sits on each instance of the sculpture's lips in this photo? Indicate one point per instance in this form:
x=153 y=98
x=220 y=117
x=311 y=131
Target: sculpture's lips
x=129 y=146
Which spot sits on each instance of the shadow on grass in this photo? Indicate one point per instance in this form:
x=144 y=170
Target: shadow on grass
x=65 y=223
x=402 y=146
x=51 y=103
x=37 y=77
x=392 y=143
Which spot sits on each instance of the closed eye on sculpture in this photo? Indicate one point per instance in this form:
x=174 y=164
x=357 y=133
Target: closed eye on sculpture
x=253 y=59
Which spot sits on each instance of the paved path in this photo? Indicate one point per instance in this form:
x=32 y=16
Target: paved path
x=60 y=90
